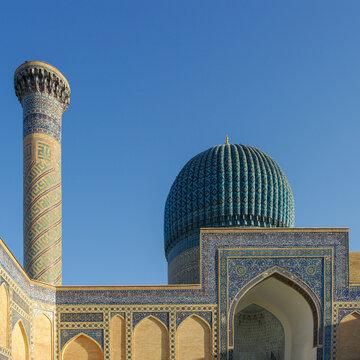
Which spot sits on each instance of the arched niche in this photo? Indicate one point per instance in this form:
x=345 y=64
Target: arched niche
x=259 y=334
x=42 y=337
x=193 y=339
x=117 y=338
x=290 y=307
x=4 y=316
x=348 y=346
x=150 y=340
x=82 y=347
x=19 y=342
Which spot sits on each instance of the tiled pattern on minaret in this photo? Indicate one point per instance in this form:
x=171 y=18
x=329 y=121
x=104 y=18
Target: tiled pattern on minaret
x=44 y=96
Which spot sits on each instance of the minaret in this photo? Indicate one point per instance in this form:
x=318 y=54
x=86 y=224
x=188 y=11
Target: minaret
x=44 y=94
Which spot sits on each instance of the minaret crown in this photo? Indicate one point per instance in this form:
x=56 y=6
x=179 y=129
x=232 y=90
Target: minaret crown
x=40 y=77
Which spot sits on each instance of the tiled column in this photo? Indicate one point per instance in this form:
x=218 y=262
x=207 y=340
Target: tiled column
x=44 y=94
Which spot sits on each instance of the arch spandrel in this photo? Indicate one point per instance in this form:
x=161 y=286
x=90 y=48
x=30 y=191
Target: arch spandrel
x=293 y=282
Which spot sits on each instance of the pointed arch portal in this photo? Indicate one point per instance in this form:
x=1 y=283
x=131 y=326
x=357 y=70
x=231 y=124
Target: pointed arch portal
x=289 y=320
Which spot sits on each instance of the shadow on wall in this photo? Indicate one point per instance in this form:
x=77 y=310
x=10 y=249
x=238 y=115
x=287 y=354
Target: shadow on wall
x=348 y=343
x=348 y=337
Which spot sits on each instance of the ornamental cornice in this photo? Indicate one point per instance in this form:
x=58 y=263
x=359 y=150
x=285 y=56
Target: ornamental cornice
x=39 y=77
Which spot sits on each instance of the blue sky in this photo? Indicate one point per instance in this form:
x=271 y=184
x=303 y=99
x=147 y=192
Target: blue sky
x=156 y=82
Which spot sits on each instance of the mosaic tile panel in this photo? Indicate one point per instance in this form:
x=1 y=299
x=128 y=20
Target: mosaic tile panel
x=310 y=270
x=181 y=316
x=68 y=334
x=162 y=316
x=42 y=209
x=9 y=270
x=19 y=301
x=122 y=314
x=42 y=115
x=81 y=317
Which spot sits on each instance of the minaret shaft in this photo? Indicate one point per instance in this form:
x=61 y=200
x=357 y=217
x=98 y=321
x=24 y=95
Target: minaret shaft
x=44 y=94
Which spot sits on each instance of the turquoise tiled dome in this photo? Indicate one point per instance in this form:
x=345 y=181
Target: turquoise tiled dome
x=228 y=185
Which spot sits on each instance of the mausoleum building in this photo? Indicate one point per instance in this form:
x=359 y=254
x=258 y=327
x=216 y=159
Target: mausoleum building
x=244 y=283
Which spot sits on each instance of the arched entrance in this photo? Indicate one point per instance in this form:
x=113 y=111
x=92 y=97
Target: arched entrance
x=288 y=323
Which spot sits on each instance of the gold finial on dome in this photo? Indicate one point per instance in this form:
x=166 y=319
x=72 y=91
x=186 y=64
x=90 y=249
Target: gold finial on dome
x=227 y=140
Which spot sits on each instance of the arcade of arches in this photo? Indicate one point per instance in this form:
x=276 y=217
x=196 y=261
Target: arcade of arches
x=150 y=341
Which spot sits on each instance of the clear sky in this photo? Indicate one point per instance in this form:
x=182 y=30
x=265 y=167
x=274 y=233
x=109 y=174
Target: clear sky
x=156 y=82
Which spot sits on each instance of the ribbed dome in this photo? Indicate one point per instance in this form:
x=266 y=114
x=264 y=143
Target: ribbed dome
x=227 y=185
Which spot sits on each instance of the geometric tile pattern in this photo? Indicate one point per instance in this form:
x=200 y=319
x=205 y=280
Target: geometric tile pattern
x=19 y=301
x=162 y=316
x=81 y=317
x=181 y=316
x=67 y=334
x=42 y=209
